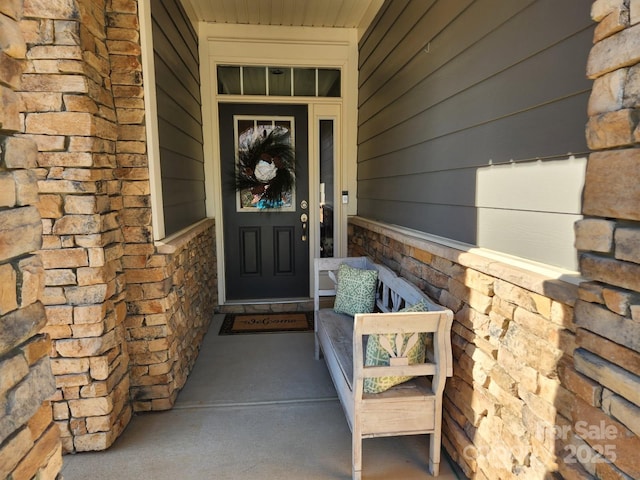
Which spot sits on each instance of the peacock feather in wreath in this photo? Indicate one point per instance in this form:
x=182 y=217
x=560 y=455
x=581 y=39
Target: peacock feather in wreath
x=265 y=169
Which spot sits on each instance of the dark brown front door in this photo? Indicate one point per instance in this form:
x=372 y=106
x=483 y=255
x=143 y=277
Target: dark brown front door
x=265 y=241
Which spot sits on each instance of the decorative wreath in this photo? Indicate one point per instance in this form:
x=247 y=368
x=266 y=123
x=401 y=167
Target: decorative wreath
x=266 y=168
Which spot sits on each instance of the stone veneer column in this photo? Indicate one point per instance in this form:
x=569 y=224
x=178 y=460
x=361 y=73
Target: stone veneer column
x=29 y=440
x=608 y=312
x=69 y=113
x=171 y=287
x=149 y=277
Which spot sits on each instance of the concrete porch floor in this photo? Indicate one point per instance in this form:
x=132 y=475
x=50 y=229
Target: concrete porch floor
x=254 y=407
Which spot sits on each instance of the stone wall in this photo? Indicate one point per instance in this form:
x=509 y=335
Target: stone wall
x=607 y=313
x=29 y=440
x=513 y=337
x=69 y=112
x=171 y=288
x=126 y=316
x=171 y=301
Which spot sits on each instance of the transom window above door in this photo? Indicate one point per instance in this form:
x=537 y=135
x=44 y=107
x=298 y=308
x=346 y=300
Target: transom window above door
x=278 y=81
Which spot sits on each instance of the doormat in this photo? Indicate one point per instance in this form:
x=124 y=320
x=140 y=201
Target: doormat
x=239 y=323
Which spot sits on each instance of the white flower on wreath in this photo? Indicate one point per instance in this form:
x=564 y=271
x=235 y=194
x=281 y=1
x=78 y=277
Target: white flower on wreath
x=265 y=171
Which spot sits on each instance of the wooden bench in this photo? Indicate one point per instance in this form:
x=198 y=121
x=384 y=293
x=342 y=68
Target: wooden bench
x=413 y=407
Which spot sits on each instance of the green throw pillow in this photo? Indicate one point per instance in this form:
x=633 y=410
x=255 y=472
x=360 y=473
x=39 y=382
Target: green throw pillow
x=377 y=355
x=356 y=290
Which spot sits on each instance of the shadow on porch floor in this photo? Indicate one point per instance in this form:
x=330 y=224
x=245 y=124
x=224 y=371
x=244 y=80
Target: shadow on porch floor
x=254 y=407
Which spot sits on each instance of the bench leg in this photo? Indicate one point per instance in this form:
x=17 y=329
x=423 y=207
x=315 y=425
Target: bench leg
x=356 y=454
x=434 y=454
x=434 y=468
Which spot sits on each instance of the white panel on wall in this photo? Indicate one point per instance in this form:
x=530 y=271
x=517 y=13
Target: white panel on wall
x=528 y=209
x=548 y=186
x=541 y=237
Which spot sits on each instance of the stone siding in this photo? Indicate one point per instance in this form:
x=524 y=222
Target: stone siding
x=171 y=288
x=30 y=444
x=607 y=314
x=171 y=302
x=69 y=112
x=126 y=315
x=508 y=407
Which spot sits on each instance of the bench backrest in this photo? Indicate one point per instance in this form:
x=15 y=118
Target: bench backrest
x=393 y=294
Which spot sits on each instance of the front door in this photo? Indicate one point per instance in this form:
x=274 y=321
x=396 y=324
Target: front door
x=265 y=198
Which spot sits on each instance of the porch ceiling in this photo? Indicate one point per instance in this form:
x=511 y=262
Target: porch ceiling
x=308 y=13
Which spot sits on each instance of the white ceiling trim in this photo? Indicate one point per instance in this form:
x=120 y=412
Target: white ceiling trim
x=357 y=14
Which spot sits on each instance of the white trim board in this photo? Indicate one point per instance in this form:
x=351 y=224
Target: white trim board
x=151 y=120
x=286 y=46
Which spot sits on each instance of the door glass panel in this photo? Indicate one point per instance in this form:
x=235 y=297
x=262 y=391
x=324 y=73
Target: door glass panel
x=264 y=127
x=326 y=187
x=283 y=124
x=265 y=164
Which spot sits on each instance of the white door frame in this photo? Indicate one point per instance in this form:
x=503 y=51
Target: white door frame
x=223 y=44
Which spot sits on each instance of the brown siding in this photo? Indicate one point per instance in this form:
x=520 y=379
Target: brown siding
x=449 y=88
x=179 y=115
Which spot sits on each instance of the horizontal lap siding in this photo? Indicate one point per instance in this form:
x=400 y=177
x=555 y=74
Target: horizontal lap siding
x=451 y=88
x=179 y=115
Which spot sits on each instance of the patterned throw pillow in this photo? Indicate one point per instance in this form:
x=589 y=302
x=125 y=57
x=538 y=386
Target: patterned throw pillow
x=356 y=291
x=377 y=355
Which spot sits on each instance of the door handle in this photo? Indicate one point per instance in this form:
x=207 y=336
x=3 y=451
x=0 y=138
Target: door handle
x=304 y=218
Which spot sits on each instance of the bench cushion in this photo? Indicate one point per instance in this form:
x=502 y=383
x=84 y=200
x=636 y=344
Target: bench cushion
x=356 y=290
x=376 y=354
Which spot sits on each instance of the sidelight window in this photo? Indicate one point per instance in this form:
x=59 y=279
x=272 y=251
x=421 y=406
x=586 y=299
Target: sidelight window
x=327 y=203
